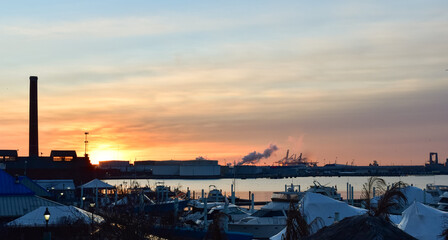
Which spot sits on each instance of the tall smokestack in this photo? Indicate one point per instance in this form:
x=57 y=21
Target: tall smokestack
x=34 y=137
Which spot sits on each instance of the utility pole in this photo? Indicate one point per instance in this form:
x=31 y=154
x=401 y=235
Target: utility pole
x=85 y=144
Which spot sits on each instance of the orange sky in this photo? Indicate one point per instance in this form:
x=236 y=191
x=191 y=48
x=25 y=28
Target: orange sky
x=341 y=82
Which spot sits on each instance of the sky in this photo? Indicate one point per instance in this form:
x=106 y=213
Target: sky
x=339 y=81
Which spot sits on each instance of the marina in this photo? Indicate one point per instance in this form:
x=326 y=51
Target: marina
x=264 y=187
x=250 y=209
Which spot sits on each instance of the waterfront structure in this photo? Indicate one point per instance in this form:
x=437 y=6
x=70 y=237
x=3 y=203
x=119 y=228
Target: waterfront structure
x=59 y=165
x=96 y=192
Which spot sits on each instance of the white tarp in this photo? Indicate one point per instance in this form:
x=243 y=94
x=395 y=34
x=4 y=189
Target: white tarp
x=423 y=222
x=412 y=194
x=58 y=215
x=320 y=206
x=97 y=184
x=418 y=195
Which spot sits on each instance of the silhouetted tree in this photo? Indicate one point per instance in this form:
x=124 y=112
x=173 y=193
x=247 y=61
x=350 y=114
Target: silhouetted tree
x=392 y=197
x=367 y=190
x=126 y=226
x=296 y=225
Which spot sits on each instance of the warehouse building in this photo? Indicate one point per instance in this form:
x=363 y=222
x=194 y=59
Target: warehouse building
x=187 y=168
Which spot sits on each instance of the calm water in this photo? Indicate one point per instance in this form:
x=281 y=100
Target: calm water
x=263 y=187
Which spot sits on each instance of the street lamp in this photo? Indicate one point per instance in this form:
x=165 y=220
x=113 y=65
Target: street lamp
x=47 y=234
x=47 y=217
x=92 y=206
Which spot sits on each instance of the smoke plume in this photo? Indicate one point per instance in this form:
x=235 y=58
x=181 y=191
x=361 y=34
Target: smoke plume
x=254 y=157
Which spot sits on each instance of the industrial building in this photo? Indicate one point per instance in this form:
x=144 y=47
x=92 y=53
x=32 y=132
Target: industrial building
x=59 y=165
x=183 y=169
x=199 y=168
x=121 y=166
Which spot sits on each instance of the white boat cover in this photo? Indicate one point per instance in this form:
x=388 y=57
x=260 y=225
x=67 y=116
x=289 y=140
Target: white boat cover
x=423 y=222
x=210 y=205
x=58 y=215
x=320 y=206
x=416 y=194
x=412 y=194
x=276 y=206
x=98 y=184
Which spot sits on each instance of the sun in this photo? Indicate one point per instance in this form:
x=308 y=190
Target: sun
x=102 y=155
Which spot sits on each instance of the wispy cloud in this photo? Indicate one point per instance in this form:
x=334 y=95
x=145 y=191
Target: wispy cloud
x=220 y=85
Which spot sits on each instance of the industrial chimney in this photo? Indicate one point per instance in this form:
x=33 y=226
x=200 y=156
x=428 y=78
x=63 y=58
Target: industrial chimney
x=34 y=137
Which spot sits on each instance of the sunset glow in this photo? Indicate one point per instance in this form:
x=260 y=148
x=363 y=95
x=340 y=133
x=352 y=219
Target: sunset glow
x=103 y=155
x=338 y=81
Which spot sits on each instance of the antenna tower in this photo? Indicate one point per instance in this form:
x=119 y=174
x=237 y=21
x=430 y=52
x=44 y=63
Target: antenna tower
x=85 y=144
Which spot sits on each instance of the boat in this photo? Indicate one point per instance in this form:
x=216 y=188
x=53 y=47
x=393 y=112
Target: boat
x=271 y=218
x=234 y=212
x=443 y=202
x=325 y=190
x=436 y=191
x=168 y=206
x=215 y=195
x=293 y=193
x=264 y=223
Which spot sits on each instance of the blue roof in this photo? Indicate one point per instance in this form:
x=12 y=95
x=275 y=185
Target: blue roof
x=33 y=186
x=9 y=187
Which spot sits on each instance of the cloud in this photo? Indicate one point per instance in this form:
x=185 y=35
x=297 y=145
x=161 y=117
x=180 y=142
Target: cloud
x=127 y=26
x=182 y=84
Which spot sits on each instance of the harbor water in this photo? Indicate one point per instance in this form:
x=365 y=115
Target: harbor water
x=262 y=188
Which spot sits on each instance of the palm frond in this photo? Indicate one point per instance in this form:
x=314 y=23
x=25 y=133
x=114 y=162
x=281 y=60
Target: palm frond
x=367 y=190
x=392 y=197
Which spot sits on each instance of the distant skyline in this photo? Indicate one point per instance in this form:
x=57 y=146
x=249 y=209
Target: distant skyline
x=343 y=81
